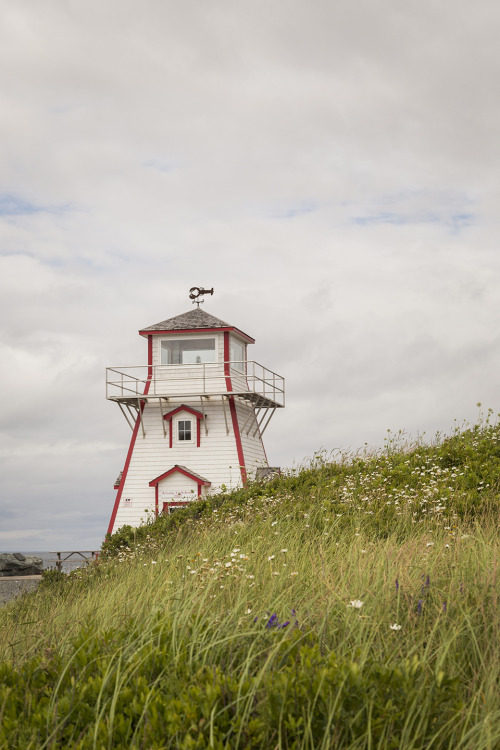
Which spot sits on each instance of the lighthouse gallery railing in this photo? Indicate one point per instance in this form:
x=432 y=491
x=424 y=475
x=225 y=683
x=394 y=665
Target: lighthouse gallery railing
x=209 y=379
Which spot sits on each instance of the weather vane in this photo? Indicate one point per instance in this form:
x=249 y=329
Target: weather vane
x=197 y=291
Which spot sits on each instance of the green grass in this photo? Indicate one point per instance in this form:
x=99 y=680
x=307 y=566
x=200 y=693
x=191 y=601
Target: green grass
x=238 y=623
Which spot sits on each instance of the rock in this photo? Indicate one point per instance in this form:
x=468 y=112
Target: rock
x=16 y=564
x=266 y=473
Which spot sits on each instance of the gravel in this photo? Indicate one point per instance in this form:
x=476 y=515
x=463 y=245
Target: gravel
x=12 y=587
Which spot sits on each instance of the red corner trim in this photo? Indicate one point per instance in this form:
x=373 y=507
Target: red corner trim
x=132 y=442
x=150 y=357
x=125 y=468
x=232 y=410
x=227 y=355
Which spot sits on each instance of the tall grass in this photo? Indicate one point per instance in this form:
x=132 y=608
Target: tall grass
x=353 y=603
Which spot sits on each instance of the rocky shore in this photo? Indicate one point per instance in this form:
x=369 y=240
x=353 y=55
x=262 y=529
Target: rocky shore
x=12 y=587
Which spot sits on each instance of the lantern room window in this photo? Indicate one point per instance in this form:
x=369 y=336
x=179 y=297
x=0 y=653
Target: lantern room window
x=237 y=355
x=184 y=429
x=187 y=351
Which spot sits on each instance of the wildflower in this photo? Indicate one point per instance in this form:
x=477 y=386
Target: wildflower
x=356 y=604
x=295 y=573
x=274 y=523
x=419 y=606
x=249 y=611
x=430 y=544
x=396 y=626
x=397 y=585
x=228 y=564
x=271 y=557
x=272 y=622
x=284 y=550
x=153 y=562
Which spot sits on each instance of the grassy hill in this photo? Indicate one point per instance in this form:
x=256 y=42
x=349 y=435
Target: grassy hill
x=351 y=604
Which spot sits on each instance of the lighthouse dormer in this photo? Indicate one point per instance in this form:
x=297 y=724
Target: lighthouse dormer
x=197 y=411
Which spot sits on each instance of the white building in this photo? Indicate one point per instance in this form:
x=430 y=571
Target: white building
x=197 y=411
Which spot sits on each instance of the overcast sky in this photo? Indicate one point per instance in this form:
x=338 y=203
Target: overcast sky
x=331 y=168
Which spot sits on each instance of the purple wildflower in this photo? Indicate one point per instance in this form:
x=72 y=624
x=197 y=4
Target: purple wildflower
x=419 y=606
x=397 y=585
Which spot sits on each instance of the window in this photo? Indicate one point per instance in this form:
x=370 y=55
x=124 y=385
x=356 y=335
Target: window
x=237 y=355
x=187 y=351
x=184 y=429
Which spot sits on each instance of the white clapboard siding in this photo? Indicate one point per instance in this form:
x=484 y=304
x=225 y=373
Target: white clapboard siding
x=216 y=459
x=253 y=448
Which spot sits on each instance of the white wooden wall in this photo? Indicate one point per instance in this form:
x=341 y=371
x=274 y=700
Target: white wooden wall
x=216 y=459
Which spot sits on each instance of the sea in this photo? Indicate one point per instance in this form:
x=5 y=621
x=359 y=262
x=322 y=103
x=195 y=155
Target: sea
x=49 y=560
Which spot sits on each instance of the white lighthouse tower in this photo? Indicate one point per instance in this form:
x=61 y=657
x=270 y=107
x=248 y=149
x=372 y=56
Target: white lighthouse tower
x=197 y=411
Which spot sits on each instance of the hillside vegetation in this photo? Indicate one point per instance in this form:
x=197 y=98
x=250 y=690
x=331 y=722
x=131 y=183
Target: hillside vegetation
x=350 y=604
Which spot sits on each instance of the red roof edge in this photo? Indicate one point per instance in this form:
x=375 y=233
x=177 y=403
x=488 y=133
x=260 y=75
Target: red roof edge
x=244 y=335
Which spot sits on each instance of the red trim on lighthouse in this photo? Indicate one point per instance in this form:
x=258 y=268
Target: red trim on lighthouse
x=125 y=469
x=183 y=407
x=232 y=410
x=199 y=416
x=150 y=357
x=177 y=331
x=195 y=477
x=132 y=442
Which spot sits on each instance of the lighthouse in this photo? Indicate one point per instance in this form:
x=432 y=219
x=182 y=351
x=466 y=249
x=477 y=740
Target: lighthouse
x=197 y=411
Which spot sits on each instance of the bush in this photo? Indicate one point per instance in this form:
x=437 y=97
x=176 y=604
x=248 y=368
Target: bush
x=123 y=691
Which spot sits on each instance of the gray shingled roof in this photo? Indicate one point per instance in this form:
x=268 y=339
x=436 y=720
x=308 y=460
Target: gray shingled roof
x=195 y=318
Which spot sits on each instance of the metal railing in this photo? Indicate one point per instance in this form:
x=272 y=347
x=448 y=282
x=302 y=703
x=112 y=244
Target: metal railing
x=209 y=378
